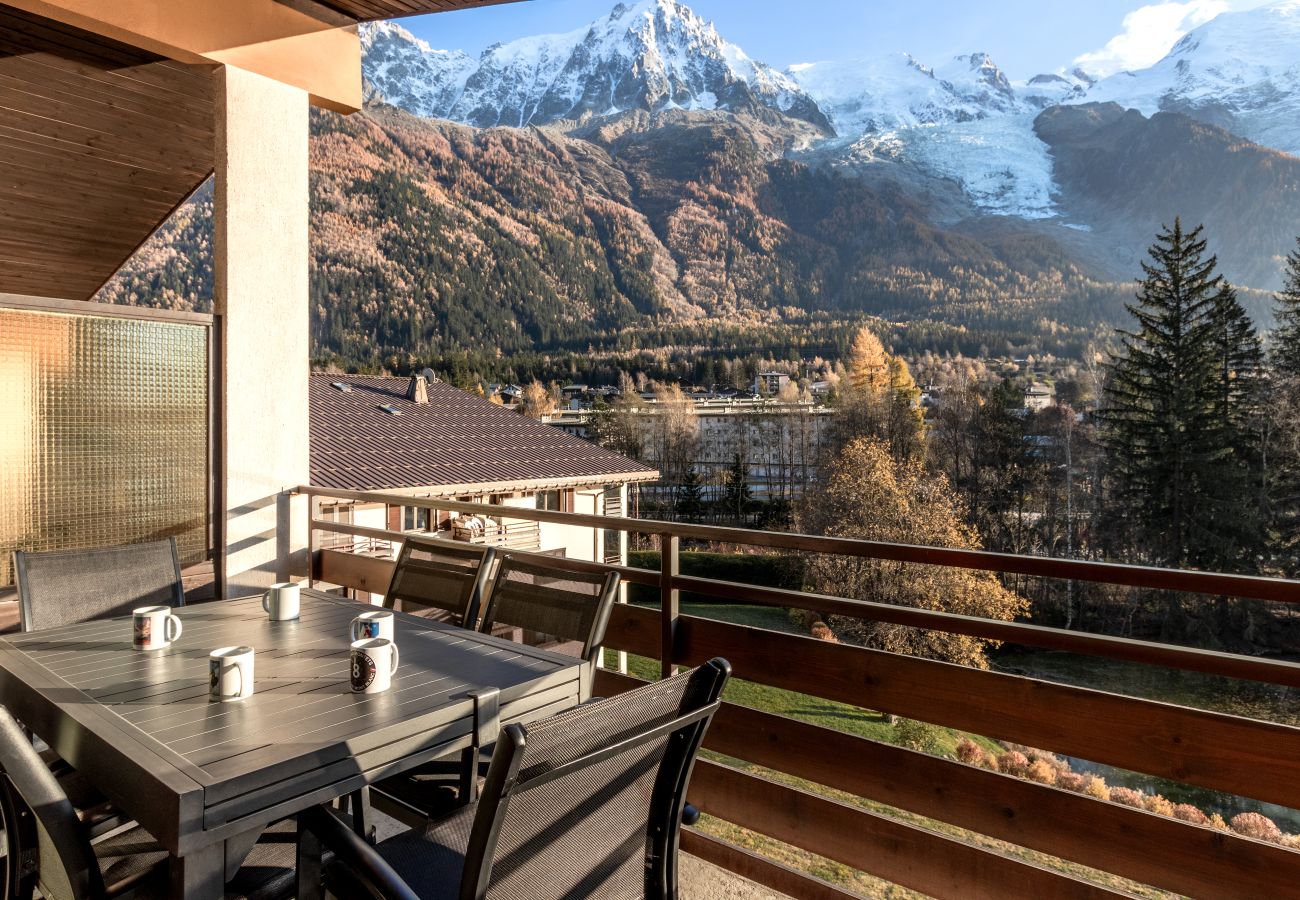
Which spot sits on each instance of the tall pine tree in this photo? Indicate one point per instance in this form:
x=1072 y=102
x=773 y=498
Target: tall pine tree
x=1285 y=354
x=1177 y=410
x=1282 y=450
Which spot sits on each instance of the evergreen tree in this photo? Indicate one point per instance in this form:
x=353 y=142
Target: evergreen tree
x=690 y=498
x=1286 y=337
x=1282 y=448
x=736 y=494
x=1175 y=412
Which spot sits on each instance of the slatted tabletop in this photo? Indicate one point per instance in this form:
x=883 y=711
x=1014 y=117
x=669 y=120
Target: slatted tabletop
x=141 y=726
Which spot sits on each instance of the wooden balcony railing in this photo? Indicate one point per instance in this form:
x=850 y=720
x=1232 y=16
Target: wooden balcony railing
x=1244 y=756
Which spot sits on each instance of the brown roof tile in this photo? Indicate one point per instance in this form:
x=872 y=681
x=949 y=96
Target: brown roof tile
x=455 y=439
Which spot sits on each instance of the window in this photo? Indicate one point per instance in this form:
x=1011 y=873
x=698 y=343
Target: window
x=548 y=500
x=414 y=519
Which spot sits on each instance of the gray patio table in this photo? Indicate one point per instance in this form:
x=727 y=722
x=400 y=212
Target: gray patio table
x=205 y=778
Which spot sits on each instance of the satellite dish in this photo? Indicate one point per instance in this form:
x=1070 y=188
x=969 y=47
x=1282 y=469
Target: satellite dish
x=429 y=377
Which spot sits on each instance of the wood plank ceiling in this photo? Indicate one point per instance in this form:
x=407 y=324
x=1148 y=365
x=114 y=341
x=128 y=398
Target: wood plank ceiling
x=369 y=10
x=99 y=142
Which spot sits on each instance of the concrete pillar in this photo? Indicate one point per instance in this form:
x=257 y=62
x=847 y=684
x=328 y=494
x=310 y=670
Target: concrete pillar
x=261 y=297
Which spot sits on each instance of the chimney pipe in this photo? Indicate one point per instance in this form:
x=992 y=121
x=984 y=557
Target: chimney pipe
x=418 y=390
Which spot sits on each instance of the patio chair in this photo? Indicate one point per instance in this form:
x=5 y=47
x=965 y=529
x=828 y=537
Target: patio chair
x=48 y=846
x=63 y=587
x=441 y=579
x=585 y=804
x=567 y=606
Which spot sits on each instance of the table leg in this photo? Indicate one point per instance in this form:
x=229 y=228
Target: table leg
x=199 y=875
x=238 y=848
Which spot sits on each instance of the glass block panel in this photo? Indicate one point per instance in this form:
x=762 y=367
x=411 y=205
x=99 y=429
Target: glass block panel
x=103 y=433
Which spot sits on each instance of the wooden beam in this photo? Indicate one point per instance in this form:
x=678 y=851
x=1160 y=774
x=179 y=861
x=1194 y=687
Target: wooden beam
x=760 y=869
x=1226 y=753
x=302 y=44
x=917 y=858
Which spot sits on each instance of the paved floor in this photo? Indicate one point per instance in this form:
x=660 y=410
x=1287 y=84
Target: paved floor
x=701 y=880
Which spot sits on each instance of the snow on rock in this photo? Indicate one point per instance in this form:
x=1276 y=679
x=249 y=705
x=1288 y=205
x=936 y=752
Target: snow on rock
x=655 y=54
x=1241 y=70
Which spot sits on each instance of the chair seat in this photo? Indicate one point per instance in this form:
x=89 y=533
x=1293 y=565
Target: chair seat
x=431 y=861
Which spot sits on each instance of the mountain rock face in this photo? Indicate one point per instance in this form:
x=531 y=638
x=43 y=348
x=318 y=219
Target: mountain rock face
x=1125 y=175
x=652 y=55
x=1240 y=71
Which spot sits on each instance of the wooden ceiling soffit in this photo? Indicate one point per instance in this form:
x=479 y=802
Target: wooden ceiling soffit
x=99 y=142
x=300 y=43
x=370 y=10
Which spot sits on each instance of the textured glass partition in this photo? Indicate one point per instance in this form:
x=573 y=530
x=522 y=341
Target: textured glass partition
x=104 y=433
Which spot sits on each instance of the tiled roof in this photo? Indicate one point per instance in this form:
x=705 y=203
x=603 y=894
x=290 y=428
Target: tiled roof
x=456 y=439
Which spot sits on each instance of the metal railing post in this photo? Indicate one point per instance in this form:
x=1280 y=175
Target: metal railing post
x=311 y=543
x=669 y=600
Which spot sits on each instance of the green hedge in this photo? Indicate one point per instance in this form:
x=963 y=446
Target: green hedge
x=767 y=570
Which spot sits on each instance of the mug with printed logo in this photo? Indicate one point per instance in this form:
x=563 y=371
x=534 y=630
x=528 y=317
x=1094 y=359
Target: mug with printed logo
x=230 y=673
x=377 y=623
x=153 y=627
x=372 y=664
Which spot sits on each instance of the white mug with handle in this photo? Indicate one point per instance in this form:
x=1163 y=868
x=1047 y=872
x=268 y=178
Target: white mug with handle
x=372 y=665
x=153 y=627
x=378 y=623
x=230 y=673
x=282 y=601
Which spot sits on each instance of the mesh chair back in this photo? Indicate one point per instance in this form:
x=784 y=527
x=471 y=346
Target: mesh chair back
x=588 y=803
x=440 y=579
x=552 y=599
x=36 y=807
x=64 y=587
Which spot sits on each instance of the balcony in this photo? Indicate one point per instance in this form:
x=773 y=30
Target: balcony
x=819 y=795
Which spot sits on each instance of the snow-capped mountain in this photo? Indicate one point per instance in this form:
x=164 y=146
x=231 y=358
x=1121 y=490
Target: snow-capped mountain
x=963 y=121
x=1240 y=71
x=652 y=55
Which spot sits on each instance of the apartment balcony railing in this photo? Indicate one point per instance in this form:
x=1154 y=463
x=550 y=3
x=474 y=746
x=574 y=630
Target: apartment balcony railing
x=1242 y=756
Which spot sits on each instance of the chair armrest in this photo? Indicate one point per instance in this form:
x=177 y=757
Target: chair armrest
x=364 y=866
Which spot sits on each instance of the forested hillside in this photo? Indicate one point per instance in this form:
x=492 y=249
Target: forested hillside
x=430 y=237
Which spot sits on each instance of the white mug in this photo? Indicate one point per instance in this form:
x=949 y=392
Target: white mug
x=153 y=627
x=230 y=673
x=377 y=623
x=281 y=602
x=372 y=665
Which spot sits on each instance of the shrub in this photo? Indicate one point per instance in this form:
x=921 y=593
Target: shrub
x=1042 y=771
x=1127 y=796
x=1158 y=804
x=919 y=736
x=1189 y=813
x=1253 y=825
x=822 y=632
x=1216 y=821
x=1013 y=762
x=1072 y=781
x=970 y=752
x=1096 y=787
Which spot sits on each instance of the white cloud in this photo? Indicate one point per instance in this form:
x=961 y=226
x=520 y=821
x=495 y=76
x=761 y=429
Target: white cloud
x=1149 y=33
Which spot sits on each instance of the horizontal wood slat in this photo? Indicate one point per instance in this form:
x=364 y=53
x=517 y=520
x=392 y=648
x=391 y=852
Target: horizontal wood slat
x=1218 y=751
x=1231 y=665
x=760 y=869
x=1132 y=843
x=1193 y=860
x=914 y=857
x=362 y=573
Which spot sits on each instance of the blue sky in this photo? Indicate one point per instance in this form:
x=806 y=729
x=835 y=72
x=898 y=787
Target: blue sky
x=1025 y=37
